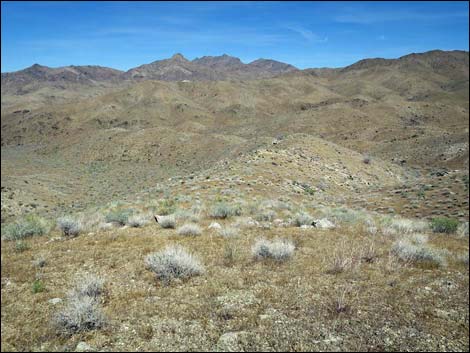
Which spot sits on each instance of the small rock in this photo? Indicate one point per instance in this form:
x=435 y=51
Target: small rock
x=324 y=224
x=215 y=225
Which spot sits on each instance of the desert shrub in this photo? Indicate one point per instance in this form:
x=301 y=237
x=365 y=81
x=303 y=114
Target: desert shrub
x=418 y=238
x=462 y=230
x=418 y=253
x=265 y=216
x=38 y=286
x=82 y=313
x=278 y=249
x=403 y=226
x=88 y=285
x=224 y=210
x=464 y=259
x=228 y=232
x=303 y=218
x=230 y=253
x=138 y=220
x=345 y=258
x=166 y=207
x=167 y=221
x=173 y=262
x=40 y=262
x=346 y=215
x=120 y=217
x=69 y=226
x=21 y=246
x=245 y=222
x=192 y=215
x=28 y=226
x=444 y=225
x=189 y=229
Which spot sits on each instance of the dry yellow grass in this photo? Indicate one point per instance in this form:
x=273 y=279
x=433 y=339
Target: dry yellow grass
x=295 y=305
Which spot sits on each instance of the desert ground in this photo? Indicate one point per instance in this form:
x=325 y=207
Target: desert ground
x=254 y=207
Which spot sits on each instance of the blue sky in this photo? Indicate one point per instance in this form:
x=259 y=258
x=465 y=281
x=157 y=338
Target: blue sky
x=123 y=35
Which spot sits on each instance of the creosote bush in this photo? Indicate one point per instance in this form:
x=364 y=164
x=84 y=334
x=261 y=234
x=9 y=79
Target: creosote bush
x=223 y=210
x=444 y=225
x=277 y=249
x=173 y=262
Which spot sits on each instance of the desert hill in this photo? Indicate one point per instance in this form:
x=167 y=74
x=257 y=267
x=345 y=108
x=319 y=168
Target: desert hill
x=411 y=111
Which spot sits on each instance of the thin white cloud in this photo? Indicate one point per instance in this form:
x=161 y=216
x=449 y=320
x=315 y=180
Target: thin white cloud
x=365 y=16
x=307 y=34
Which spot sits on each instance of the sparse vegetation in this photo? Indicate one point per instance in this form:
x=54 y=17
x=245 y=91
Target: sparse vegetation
x=224 y=210
x=303 y=218
x=228 y=232
x=138 y=220
x=345 y=259
x=88 y=285
x=278 y=249
x=26 y=227
x=173 y=262
x=265 y=216
x=399 y=226
x=166 y=207
x=82 y=311
x=417 y=253
x=38 y=286
x=120 y=217
x=462 y=230
x=189 y=229
x=81 y=314
x=21 y=246
x=69 y=226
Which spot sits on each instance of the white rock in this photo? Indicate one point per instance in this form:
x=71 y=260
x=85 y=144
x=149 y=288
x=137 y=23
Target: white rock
x=324 y=224
x=54 y=301
x=83 y=347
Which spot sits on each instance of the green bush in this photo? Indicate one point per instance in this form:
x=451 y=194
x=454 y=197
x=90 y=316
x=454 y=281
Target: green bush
x=29 y=226
x=223 y=210
x=21 y=246
x=120 y=217
x=38 y=286
x=166 y=207
x=444 y=225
